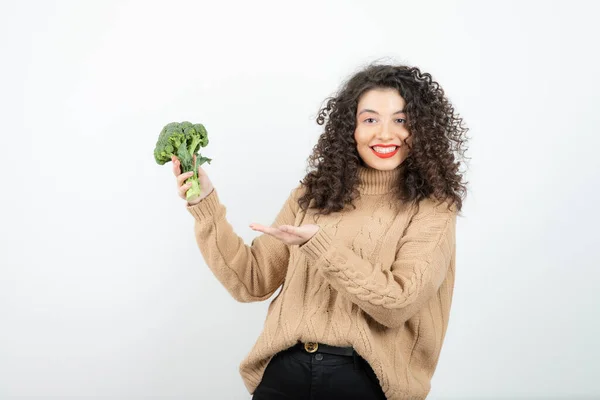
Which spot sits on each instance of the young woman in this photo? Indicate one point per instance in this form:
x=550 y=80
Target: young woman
x=363 y=248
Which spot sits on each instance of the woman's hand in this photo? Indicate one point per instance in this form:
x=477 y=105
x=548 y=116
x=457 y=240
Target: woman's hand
x=206 y=186
x=289 y=234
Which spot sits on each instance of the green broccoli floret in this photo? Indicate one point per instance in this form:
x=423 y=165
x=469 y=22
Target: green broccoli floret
x=183 y=140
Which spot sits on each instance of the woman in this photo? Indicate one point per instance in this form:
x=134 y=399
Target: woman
x=363 y=248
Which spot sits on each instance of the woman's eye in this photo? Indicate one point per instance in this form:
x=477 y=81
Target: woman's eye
x=369 y=119
x=401 y=119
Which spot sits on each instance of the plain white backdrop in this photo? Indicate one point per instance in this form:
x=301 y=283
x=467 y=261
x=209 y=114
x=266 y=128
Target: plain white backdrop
x=103 y=292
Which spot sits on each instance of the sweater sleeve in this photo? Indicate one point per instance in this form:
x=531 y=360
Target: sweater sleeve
x=249 y=273
x=391 y=297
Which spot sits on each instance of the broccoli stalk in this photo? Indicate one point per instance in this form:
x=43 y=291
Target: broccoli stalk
x=183 y=140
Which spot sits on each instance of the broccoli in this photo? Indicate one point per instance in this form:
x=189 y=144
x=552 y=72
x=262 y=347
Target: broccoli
x=183 y=140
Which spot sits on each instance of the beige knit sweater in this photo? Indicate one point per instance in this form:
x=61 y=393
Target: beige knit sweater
x=379 y=278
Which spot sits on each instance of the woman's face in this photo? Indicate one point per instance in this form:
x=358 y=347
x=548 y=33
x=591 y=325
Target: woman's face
x=381 y=129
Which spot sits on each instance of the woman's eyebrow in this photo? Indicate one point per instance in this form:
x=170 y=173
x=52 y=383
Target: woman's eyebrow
x=375 y=112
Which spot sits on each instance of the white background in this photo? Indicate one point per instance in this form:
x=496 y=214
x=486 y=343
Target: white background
x=103 y=291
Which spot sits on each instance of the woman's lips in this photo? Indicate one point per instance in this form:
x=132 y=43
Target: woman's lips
x=385 y=155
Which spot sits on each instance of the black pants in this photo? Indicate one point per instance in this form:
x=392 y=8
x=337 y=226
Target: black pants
x=295 y=374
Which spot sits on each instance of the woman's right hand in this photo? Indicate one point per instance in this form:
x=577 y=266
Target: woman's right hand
x=206 y=186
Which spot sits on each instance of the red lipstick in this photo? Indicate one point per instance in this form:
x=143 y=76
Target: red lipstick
x=386 y=155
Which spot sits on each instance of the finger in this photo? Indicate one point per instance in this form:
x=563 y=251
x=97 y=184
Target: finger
x=294 y=230
x=261 y=228
x=268 y=230
x=176 y=166
x=181 y=178
x=284 y=237
x=183 y=190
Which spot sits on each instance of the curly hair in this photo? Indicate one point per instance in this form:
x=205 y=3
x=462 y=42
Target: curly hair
x=438 y=139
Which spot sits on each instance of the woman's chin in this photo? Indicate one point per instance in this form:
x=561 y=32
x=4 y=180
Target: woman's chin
x=384 y=165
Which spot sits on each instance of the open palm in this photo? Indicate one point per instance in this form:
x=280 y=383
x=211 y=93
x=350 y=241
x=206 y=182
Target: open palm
x=289 y=234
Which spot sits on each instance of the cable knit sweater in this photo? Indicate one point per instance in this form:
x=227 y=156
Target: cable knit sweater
x=378 y=277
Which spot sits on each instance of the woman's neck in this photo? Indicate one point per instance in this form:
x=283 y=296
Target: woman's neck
x=374 y=181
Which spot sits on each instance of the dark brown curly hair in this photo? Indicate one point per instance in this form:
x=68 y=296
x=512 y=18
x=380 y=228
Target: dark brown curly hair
x=438 y=141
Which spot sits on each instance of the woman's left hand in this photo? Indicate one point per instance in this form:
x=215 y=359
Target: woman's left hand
x=289 y=234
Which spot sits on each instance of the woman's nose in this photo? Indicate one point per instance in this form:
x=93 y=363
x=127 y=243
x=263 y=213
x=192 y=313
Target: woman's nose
x=385 y=132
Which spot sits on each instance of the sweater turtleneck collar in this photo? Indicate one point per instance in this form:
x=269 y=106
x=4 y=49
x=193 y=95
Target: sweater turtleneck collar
x=374 y=181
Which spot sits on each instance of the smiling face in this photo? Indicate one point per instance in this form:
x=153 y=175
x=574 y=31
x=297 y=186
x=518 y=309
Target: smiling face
x=381 y=129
